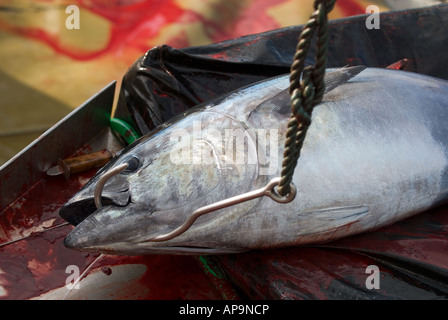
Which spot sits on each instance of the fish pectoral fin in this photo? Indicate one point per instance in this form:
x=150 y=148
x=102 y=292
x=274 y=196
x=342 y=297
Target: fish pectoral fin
x=321 y=220
x=341 y=213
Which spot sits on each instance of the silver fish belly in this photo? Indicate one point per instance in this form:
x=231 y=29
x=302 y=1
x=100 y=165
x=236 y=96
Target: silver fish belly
x=375 y=153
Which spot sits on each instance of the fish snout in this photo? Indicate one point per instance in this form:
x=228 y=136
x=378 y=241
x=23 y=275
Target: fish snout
x=87 y=234
x=108 y=229
x=80 y=237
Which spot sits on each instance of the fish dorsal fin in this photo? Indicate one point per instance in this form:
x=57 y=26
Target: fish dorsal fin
x=280 y=103
x=335 y=78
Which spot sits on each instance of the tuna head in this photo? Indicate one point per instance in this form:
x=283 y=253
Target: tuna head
x=200 y=159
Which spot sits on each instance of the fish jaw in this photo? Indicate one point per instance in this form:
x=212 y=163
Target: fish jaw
x=112 y=230
x=108 y=229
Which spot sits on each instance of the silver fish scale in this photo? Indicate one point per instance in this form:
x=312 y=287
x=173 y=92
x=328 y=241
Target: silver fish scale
x=376 y=152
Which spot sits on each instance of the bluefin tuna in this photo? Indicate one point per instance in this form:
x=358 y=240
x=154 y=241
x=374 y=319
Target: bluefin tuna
x=376 y=152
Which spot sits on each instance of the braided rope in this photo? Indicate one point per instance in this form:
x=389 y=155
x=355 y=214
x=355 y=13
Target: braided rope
x=305 y=92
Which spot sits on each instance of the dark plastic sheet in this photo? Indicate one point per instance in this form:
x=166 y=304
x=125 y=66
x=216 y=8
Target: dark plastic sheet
x=167 y=81
x=411 y=255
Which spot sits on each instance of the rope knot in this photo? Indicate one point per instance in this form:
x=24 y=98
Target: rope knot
x=306 y=89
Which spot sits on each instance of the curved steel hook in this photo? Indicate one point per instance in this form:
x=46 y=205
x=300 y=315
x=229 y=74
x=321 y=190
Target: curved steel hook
x=102 y=181
x=268 y=190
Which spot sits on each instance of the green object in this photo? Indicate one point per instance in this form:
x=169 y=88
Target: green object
x=124 y=130
x=218 y=277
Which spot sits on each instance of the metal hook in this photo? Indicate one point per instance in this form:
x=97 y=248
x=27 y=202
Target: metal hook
x=268 y=190
x=102 y=181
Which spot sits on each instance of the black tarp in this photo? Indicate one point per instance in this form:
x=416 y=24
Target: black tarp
x=412 y=256
x=166 y=81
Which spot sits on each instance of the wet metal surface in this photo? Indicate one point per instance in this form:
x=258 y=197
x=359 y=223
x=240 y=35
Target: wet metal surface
x=29 y=166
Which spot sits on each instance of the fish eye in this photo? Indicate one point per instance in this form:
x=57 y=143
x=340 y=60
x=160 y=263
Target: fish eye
x=133 y=164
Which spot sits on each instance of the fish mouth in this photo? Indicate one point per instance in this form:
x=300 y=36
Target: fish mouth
x=77 y=211
x=83 y=205
x=115 y=191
